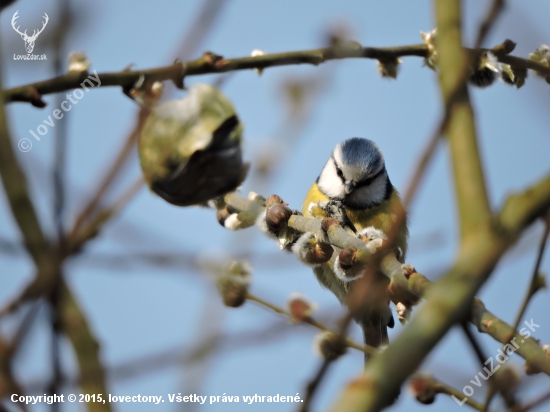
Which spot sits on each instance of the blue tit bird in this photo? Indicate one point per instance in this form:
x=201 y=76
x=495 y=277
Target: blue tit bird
x=356 y=181
x=190 y=149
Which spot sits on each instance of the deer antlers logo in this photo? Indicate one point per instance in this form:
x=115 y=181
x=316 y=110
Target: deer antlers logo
x=29 y=40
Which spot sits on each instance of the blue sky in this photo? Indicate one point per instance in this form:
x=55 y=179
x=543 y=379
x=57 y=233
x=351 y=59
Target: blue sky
x=140 y=310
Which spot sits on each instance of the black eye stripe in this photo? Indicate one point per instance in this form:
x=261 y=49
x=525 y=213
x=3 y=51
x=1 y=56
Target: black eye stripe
x=364 y=182
x=339 y=172
x=369 y=180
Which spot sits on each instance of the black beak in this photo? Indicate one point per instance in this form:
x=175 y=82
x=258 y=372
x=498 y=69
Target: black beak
x=349 y=187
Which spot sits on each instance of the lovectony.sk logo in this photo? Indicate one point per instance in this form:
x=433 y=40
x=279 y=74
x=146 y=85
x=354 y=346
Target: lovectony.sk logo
x=29 y=40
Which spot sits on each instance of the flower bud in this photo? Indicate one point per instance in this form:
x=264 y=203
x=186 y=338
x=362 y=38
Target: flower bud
x=233 y=283
x=371 y=233
x=347 y=258
x=255 y=53
x=311 y=251
x=429 y=39
x=328 y=345
x=422 y=388
x=277 y=217
x=329 y=222
x=299 y=307
x=222 y=215
x=542 y=56
x=78 y=62
x=403 y=312
x=274 y=200
x=346 y=267
x=388 y=67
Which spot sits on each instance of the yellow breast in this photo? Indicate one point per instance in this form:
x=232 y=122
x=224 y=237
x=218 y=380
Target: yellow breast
x=314 y=195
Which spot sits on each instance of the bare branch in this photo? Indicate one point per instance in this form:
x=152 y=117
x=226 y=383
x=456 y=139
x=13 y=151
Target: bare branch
x=417 y=284
x=211 y=63
x=348 y=342
x=15 y=186
x=535 y=283
x=489 y=21
x=535 y=403
x=75 y=326
x=111 y=174
x=425 y=388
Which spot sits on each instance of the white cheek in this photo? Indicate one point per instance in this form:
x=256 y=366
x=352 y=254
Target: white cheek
x=329 y=182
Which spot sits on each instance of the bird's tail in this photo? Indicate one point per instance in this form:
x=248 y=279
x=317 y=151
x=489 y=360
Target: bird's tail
x=375 y=330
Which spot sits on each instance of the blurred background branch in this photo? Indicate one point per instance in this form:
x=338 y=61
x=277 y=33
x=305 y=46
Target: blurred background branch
x=486 y=236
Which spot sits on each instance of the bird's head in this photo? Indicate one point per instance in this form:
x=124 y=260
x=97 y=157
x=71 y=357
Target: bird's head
x=355 y=173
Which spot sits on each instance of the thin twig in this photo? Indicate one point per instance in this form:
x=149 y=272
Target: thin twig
x=441 y=387
x=534 y=285
x=202 y=25
x=314 y=384
x=152 y=363
x=494 y=12
x=92 y=228
x=425 y=387
x=59 y=179
x=422 y=165
x=482 y=359
x=310 y=321
x=325 y=365
x=475 y=344
x=109 y=177
x=41 y=286
x=535 y=403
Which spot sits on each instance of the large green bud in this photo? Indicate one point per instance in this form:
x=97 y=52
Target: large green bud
x=190 y=149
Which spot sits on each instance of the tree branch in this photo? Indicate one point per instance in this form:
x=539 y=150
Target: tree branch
x=473 y=203
x=521 y=209
x=419 y=285
x=47 y=263
x=212 y=63
x=425 y=388
x=489 y=21
x=450 y=299
x=22 y=208
x=535 y=283
x=75 y=326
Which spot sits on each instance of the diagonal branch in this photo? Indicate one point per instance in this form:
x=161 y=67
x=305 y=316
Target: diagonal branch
x=449 y=300
x=488 y=22
x=111 y=175
x=536 y=284
x=74 y=325
x=15 y=186
x=46 y=261
x=417 y=284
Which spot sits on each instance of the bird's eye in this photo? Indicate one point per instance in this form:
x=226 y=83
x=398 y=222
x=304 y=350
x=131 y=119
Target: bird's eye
x=365 y=182
x=339 y=173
